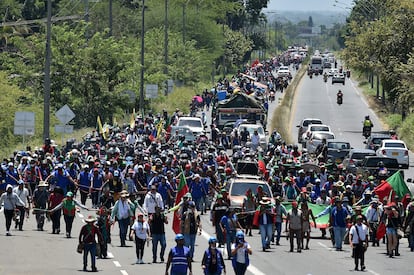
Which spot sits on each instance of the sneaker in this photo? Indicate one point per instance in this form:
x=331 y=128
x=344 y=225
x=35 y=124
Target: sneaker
x=138 y=261
x=8 y=233
x=363 y=267
x=154 y=261
x=162 y=259
x=142 y=262
x=84 y=268
x=94 y=269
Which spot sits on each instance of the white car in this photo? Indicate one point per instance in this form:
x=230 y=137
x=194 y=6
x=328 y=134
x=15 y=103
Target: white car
x=315 y=139
x=251 y=128
x=331 y=72
x=395 y=149
x=315 y=128
x=284 y=71
x=303 y=126
x=193 y=123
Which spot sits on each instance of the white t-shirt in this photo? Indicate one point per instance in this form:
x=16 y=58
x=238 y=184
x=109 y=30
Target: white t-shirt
x=23 y=194
x=241 y=252
x=141 y=229
x=362 y=231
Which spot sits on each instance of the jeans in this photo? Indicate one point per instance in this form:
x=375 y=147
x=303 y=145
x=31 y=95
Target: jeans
x=278 y=226
x=95 y=198
x=240 y=269
x=89 y=248
x=8 y=214
x=139 y=247
x=68 y=222
x=339 y=233
x=266 y=234
x=411 y=241
x=200 y=204
x=22 y=212
x=55 y=217
x=219 y=233
x=161 y=239
x=123 y=229
x=230 y=237
x=189 y=241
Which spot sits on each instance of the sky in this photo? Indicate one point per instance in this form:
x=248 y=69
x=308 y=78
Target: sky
x=308 y=5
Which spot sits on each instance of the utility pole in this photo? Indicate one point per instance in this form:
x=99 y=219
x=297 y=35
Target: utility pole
x=48 y=54
x=141 y=94
x=110 y=17
x=184 y=6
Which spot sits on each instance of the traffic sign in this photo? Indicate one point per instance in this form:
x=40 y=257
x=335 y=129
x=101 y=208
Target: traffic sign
x=24 y=123
x=65 y=129
x=151 y=90
x=65 y=114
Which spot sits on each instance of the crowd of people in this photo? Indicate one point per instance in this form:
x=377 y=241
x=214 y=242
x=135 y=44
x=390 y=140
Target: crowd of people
x=133 y=177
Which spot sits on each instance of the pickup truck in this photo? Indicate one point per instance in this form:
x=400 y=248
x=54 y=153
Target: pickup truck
x=370 y=165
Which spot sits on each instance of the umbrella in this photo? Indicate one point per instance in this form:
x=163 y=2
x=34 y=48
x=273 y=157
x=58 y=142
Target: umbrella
x=198 y=98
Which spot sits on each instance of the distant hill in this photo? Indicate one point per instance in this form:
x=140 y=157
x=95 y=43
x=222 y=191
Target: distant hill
x=327 y=18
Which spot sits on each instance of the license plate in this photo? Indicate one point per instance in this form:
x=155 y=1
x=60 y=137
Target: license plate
x=395 y=153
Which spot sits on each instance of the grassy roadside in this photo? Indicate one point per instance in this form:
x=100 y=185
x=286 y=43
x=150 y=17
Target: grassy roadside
x=389 y=120
x=282 y=114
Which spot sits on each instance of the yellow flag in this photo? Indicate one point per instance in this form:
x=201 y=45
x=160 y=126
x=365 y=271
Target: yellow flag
x=132 y=122
x=100 y=128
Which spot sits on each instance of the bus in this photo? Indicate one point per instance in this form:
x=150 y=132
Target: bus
x=316 y=65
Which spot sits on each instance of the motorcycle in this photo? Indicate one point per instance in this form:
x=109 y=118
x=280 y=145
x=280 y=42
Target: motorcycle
x=310 y=74
x=366 y=131
x=339 y=98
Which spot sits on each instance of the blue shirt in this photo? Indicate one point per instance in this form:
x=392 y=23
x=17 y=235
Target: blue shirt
x=339 y=217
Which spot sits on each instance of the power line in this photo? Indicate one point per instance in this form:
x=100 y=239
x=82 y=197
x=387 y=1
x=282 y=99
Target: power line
x=37 y=21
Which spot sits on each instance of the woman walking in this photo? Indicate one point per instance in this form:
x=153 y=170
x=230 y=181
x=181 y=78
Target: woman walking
x=392 y=223
x=141 y=230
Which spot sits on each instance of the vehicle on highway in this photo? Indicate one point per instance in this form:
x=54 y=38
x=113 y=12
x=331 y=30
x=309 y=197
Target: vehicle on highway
x=331 y=72
x=316 y=65
x=315 y=128
x=253 y=127
x=185 y=131
x=304 y=125
x=315 y=139
x=284 y=71
x=394 y=149
x=337 y=150
x=338 y=78
x=193 y=123
x=238 y=186
x=373 y=142
x=370 y=166
x=355 y=157
x=327 y=65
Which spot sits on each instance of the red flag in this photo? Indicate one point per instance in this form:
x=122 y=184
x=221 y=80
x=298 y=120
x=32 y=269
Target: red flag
x=182 y=189
x=261 y=164
x=381 y=231
x=395 y=184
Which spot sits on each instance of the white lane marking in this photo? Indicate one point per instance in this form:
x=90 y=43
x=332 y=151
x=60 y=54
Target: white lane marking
x=110 y=255
x=116 y=263
x=123 y=272
x=80 y=215
x=1 y=210
x=323 y=245
x=372 y=272
x=250 y=268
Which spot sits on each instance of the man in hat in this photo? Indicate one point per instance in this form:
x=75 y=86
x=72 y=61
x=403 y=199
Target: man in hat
x=219 y=210
x=358 y=239
x=123 y=213
x=40 y=199
x=87 y=237
x=199 y=192
x=294 y=222
x=374 y=214
x=68 y=205
x=338 y=219
x=24 y=195
x=366 y=198
x=10 y=200
x=265 y=222
x=179 y=258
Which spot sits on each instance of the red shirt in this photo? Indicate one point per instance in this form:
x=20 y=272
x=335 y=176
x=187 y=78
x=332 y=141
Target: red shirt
x=88 y=233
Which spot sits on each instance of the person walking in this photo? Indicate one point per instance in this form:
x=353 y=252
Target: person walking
x=295 y=221
x=40 y=199
x=24 y=195
x=157 y=223
x=190 y=225
x=248 y=207
x=392 y=224
x=87 y=237
x=55 y=199
x=153 y=199
x=265 y=222
x=122 y=213
x=11 y=201
x=68 y=205
x=179 y=258
x=358 y=239
x=229 y=225
x=213 y=262
x=240 y=254
x=339 y=216
x=142 y=232
x=307 y=214
x=280 y=211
